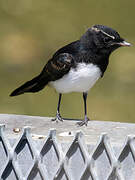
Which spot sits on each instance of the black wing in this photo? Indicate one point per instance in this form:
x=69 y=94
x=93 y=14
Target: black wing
x=61 y=61
x=55 y=68
x=58 y=66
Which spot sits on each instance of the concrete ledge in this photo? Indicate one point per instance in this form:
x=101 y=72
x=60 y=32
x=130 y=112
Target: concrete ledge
x=48 y=150
x=66 y=130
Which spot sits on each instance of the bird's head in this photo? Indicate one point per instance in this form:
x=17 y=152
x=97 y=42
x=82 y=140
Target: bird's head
x=104 y=38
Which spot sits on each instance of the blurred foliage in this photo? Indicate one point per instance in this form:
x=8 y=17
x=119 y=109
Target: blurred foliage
x=31 y=31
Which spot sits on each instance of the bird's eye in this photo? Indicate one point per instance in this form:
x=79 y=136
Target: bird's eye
x=107 y=39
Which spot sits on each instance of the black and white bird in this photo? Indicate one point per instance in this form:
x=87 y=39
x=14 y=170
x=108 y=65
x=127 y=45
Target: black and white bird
x=77 y=66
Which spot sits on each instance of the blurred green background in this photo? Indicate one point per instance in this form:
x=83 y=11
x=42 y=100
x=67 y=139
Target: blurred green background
x=31 y=31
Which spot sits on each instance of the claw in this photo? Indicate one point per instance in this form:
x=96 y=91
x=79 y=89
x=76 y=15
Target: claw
x=83 y=122
x=58 y=118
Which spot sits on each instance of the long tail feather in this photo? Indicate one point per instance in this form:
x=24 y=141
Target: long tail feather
x=34 y=85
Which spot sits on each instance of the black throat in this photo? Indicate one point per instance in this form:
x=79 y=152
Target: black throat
x=93 y=55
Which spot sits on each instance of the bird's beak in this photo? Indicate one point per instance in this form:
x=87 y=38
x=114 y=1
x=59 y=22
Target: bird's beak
x=124 y=43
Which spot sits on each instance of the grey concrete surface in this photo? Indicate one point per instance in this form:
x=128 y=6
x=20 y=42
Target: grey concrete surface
x=66 y=130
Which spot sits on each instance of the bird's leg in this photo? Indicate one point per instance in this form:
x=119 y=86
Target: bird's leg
x=58 y=116
x=86 y=119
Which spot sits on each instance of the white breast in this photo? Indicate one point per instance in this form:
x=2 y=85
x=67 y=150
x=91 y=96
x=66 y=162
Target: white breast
x=80 y=79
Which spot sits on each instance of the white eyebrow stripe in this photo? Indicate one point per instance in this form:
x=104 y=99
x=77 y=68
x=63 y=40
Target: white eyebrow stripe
x=97 y=30
x=107 y=34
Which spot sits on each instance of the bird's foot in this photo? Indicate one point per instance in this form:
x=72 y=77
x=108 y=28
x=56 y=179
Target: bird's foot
x=83 y=122
x=58 y=118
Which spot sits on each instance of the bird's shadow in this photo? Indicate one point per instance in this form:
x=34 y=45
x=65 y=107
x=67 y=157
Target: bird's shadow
x=69 y=119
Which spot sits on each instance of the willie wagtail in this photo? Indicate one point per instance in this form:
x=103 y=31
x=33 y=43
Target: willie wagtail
x=77 y=66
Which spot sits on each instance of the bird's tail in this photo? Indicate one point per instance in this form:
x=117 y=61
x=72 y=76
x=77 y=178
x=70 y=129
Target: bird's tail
x=34 y=85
